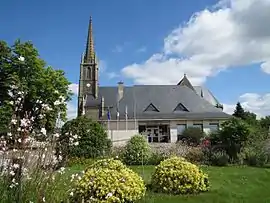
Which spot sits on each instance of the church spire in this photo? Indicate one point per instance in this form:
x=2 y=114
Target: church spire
x=90 y=52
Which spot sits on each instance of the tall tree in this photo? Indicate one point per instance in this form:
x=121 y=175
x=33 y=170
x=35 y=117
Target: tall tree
x=265 y=122
x=25 y=79
x=251 y=118
x=239 y=112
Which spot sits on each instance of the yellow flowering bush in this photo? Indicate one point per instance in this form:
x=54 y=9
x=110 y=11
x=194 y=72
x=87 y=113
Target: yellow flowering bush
x=108 y=180
x=178 y=176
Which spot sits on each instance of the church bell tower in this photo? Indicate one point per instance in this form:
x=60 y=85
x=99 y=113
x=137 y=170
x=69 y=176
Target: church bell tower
x=88 y=82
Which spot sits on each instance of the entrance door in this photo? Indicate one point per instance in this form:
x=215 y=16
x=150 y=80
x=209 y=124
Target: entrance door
x=152 y=134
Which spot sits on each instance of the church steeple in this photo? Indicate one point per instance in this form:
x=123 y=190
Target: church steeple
x=90 y=50
x=88 y=83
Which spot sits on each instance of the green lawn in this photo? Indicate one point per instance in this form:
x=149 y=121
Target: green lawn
x=228 y=185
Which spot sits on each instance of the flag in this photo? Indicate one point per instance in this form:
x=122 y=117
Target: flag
x=108 y=114
x=117 y=113
x=126 y=116
x=126 y=113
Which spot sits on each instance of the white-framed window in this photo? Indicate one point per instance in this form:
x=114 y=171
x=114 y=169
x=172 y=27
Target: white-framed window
x=181 y=128
x=213 y=127
x=197 y=125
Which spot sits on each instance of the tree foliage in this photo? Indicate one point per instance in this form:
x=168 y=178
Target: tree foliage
x=137 y=151
x=232 y=136
x=22 y=71
x=239 y=111
x=193 y=135
x=251 y=118
x=265 y=122
x=82 y=137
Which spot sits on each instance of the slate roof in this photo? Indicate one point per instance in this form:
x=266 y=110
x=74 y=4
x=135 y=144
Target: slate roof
x=185 y=82
x=206 y=94
x=164 y=97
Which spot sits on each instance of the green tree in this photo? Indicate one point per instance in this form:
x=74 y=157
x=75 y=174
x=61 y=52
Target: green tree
x=82 y=137
x=239 y=112
x=265 y=122
x=233 y=135
x=193 y=135
x=25 y=79
x=251 y=118
x=137 y=151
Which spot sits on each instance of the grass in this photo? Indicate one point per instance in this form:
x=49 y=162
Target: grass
x=234 y=184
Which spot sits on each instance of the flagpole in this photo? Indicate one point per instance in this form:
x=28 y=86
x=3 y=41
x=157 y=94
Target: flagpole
x=126 y=118
x=109 y=118
x=117 y=115
x=117 y=121
x=135 y=127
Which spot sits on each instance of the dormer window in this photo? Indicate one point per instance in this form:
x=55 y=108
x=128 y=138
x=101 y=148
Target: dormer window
x=151 y=108
x=180 y=107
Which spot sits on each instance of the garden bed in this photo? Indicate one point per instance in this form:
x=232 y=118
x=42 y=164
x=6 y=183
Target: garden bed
x=233 y=184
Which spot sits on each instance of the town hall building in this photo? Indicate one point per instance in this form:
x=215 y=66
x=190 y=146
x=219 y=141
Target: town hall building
x=160 y=112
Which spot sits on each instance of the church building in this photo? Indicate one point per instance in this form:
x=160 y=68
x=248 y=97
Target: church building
x=161 y=112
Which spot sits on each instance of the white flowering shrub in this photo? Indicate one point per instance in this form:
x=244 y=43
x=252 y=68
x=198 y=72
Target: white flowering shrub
x=137 y=151
x=162 y=151
x=82 y=137
x=32 y=99
x=108 y=180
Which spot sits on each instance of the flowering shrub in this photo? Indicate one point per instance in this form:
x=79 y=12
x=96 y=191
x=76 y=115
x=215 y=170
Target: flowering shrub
x=108 y=180
x=195 y=155
x=156 y=158
x=170 y=149
x=32 y=101
x=178 y=176
x=117 y=152
x=162 y=151
x=82 y=137
x=137 y=151
x=192 y=135
x=219 y=158
x=79 y=161
x=232 y=137
x=254 y=155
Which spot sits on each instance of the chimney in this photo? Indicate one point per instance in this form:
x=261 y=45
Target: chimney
x=120 y=90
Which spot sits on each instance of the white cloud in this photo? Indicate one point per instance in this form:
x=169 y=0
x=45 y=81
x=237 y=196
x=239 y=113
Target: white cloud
x=71 y=110
x=112 y=75
x=74 y=88
x=118 y=49
x=266 y=67
x=102 y=66
x=71 y=106
x=141 y=50
x=103 y=70
x=230 y=35
x=256 y=103
x=228 y=108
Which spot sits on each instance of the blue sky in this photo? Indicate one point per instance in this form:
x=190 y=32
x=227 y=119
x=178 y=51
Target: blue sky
x=163 y=39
